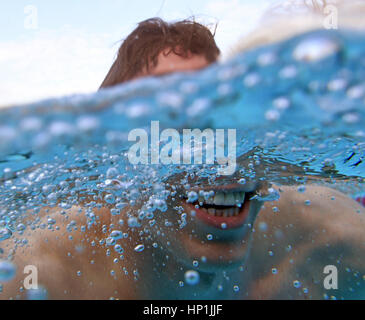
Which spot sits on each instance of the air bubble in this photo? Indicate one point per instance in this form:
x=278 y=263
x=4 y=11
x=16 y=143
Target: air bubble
x=192 y=277
x=192 y=197
x=139 y=248
x=7 y=271
x=5 y=233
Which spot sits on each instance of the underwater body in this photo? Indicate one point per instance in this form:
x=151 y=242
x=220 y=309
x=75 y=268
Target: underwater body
x=298 y=108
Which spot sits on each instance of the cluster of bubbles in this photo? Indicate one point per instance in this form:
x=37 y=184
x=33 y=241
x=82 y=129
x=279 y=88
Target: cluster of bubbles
x=295 y=104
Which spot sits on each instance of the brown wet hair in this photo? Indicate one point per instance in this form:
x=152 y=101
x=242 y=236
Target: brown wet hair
x=140 y=50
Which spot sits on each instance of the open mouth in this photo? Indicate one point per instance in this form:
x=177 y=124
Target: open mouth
x=224 y=208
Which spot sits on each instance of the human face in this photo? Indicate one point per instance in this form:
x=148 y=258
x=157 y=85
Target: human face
x=217 y=238
x=169 y=62
x=229 y=224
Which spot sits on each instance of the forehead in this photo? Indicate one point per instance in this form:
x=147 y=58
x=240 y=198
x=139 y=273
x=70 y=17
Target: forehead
x=171 y=62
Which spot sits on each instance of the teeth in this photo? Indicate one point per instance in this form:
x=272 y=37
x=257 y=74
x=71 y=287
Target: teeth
x=229 y=199
x=233 y=199
x=209 y=200
x=212 y=211
x=222 y=198
x=239 y=197
x=219 y=199
x=230 y=212
x=219 y=212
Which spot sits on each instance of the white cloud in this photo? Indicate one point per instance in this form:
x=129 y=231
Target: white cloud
x=53 y=63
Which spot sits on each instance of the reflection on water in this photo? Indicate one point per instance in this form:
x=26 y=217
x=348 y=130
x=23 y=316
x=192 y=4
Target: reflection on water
x=299 y=111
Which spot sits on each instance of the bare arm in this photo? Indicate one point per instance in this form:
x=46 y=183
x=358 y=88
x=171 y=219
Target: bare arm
x=71 y=264
x=301 y=238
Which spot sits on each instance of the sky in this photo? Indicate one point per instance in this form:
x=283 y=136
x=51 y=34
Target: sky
x=56 y=48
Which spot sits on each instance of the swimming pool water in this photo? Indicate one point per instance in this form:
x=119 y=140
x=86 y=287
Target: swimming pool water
x=298 y=107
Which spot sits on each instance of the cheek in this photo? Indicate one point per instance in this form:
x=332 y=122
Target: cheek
x=169 y=228
x=166 y=225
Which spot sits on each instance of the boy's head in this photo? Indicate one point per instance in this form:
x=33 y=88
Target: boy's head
x=156 y=47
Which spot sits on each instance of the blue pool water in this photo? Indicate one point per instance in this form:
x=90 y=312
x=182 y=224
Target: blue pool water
x=298 y=108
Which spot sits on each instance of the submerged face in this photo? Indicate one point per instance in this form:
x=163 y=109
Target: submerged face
x=169 y=62
x=219 y=220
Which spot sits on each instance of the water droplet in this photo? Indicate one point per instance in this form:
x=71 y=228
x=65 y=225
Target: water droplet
x=110 y=241
x=192 y=197
x=192 y=277
x=20 y=227
x=242 y=181
x=133 y=222
x=251 y=80
x=7 y=271
x=118 y=248
x=281 y=103
x=314 y=48
x=116 y=234
x=263 y=226
x=109 y=198
x=272 y=115
x=287 y=72
x=111 y=173
x=87 y=123
x=139 y=248
x=5 y=233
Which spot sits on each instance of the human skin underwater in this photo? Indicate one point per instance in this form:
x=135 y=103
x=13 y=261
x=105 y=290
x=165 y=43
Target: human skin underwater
x=236 y=257
x=265 y=232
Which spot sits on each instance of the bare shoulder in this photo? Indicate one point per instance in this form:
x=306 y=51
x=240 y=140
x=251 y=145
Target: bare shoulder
x=69 y=258
x=298 y=236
